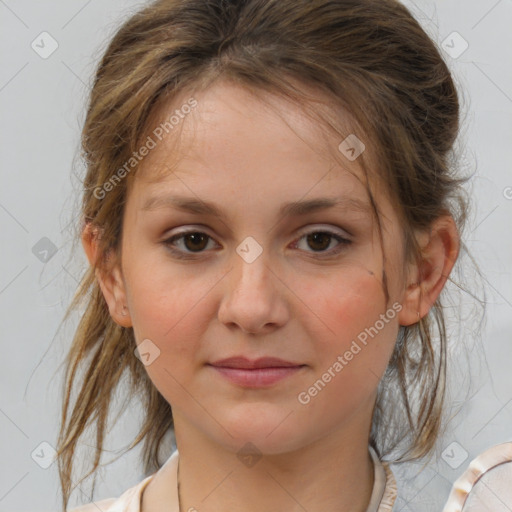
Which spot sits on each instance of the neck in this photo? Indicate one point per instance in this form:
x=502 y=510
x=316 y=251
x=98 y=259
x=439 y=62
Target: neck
x=332 y=473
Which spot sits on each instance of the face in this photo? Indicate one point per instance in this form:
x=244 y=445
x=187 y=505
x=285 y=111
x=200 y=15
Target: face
x=257 y=278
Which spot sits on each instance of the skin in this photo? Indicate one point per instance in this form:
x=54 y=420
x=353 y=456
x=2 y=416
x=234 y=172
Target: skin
x=290 y=302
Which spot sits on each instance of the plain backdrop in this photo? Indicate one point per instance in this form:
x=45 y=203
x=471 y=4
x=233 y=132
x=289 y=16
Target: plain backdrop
x=43 y=92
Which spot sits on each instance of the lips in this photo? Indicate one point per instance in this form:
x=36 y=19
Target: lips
x=257 y=373
x=241 y=362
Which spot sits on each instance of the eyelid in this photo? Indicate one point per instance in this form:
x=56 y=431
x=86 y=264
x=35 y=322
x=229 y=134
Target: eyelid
x=343 y=233
x=199 y=228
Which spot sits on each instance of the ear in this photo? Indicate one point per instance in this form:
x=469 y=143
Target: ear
x=439 y=250
x=109 y=276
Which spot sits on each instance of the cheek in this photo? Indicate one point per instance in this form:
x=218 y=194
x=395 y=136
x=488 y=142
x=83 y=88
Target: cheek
x=352 y=347
x=348 y=316
x=345 y=301
x=174 y=313
x=169 y=309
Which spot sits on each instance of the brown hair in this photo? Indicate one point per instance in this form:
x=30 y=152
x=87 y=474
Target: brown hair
x=370 y=57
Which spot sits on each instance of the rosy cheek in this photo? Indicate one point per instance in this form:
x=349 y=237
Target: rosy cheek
x=359 y=307
x=174 y=313
x=344 y=303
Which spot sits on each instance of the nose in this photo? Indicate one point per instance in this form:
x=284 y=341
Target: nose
x=254 y=297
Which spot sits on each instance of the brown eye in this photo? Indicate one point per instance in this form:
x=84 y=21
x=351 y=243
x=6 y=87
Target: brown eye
x=195 y=241
x=319 y=242
x=191 y=243
x=185 y=244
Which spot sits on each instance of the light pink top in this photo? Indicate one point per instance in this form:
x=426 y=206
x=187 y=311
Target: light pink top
x=382 y=500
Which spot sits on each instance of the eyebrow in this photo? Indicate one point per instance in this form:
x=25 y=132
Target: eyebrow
x=294 y=208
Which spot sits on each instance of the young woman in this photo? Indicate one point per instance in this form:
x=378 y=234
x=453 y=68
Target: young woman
x=271 y=216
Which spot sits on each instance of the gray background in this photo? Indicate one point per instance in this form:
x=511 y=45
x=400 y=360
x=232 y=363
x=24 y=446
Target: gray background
x=42 y=103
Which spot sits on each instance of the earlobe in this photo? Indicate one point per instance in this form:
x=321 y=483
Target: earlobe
x=439 y=250
x=113 y=289
x=109 y=279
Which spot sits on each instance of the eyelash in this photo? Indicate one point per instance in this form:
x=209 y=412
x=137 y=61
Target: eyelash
x=343 y=242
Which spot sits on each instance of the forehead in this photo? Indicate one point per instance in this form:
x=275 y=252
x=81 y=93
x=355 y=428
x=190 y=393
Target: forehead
x=236 y=142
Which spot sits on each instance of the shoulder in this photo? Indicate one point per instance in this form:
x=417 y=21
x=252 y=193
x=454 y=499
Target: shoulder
x=129 y=501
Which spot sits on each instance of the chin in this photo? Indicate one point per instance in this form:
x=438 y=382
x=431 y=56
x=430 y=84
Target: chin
x=269 y=436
